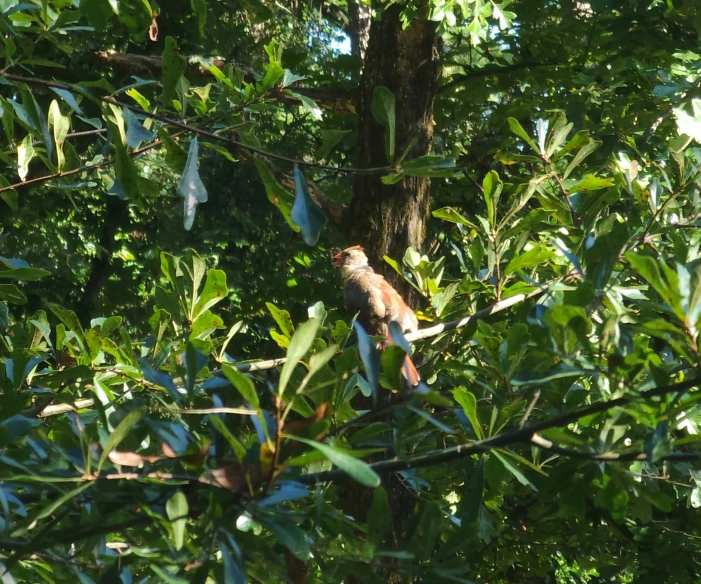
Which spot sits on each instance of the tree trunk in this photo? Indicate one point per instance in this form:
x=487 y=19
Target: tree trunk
x=359 y=17
x=116 y=212
x=387 y=219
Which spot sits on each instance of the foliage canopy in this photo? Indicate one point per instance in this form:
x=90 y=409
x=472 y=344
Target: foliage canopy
x=173 y=179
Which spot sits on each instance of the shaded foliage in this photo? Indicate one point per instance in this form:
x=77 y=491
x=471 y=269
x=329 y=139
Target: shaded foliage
x=141 y=437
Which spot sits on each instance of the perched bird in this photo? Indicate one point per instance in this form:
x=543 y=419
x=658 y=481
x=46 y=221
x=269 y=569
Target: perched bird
x=375 y=301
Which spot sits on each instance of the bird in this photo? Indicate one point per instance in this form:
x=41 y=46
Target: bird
x=367 y=294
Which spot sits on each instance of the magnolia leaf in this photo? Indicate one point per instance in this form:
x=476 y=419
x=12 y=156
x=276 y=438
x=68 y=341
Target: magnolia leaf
x=177 y=511
x=370 y=357
x=25 y=153
x=61 y=124
x=300 y=344
x=357 y=469
x=173 y=67
x=136 y=133
x=305 y=212
x=383 y=110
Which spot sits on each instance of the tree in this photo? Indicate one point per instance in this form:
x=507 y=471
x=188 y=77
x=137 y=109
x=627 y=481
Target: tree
x=182 y=397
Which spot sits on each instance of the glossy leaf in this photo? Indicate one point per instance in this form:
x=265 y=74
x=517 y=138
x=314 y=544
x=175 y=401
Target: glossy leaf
x=356 y=469
x=300 y=344
x=305 y=213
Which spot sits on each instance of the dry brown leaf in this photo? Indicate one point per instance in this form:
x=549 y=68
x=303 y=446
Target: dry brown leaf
x=153 y=29
x=232 y=477
x=168 y=452
x=131 y=458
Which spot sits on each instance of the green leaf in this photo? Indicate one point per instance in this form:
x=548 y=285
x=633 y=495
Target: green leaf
x=25 y=274
x=199 y=7
x=658 y=444
x=357 y=469
x=70 y=320
x=274 y=70
x=471 y=501
x=290 y=536
x=492 y=187
x=282 y=318
x=451 y=215
x=120 y=432
x=520 y=477
x=306 y=214
x=537 y=255
x=17 y=426
x=11 y=293
x=430 y=419
x=517 y=129
x=383 y=111
x=61 y=125
x=9 y=196
x=319 y=360
x=582 y=153
x=177 y=510
x=69 y=98
x=601 y=257
x=173 y=68
x=300 y=344
x=125 y=169
x=277 y=194
x=51 y=508
x=175 y=156
x=215 y=290
x=427 y=531
x=191 y=188
x=25 y=153
x=588 y=183
x=136 y=133
x=329 y=139
x=39 y=120
x=370 y=357
x=468 y=402
x=392 y=359
x=237 y=447
x=379 y=517
x=558 y=137
x=309 y=105
x=97 y=12
x=243 y=384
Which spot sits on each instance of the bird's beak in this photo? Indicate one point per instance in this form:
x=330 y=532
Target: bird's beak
x=337 y=259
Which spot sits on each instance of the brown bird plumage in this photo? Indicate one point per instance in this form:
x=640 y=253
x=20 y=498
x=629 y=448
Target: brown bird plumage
x=376 y=302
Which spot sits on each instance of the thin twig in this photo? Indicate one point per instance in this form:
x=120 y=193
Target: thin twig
x=521 y=435
x=202 y=132
x=563 y=190
x=54 y=410
x=643 y=239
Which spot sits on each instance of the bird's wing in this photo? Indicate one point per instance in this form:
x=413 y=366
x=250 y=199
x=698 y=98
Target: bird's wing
x=395 y=307
x=363 y=296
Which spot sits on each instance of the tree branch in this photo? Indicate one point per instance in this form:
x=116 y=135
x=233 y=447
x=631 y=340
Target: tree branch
x=523 y=435
x=423 y=333
x=338 y=99
x=57 y=409
x=202 y=132
x=471 y=74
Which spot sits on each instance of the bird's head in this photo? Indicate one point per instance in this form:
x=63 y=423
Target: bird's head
x=350 y=259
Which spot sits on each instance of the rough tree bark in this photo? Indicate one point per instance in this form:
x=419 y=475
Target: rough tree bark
x=386 y=219
x=359 y=17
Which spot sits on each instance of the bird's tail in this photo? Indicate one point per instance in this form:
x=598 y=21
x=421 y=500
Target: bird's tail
x=409 y=370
